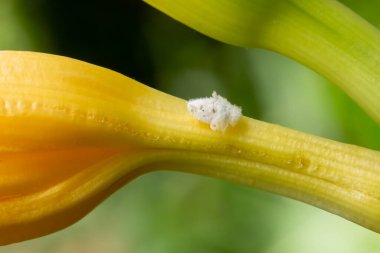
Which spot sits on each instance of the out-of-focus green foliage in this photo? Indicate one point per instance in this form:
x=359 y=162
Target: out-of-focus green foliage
x=13 y=34
x=173 y=212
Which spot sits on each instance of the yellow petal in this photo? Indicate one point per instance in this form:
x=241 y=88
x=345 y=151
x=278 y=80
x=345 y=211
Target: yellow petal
x=52 y=102
x=52 y=207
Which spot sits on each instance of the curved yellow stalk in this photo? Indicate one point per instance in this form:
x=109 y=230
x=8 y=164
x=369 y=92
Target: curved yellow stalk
x=72 y=133
x=322 y=34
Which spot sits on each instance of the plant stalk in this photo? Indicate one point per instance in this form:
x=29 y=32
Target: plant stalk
x=322 y=34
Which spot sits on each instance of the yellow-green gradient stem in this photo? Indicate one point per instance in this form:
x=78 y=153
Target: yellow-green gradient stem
x=322 y=34
x=71 y=133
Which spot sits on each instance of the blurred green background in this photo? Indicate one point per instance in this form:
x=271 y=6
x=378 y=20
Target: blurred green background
x=168 y=212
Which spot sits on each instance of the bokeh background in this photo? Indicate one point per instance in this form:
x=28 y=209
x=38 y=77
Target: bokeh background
x=166 y=212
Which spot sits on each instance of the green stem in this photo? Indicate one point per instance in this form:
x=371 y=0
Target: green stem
x=322 y=34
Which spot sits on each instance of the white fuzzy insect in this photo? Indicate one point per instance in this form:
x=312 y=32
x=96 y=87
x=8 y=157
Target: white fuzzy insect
x=215 y=110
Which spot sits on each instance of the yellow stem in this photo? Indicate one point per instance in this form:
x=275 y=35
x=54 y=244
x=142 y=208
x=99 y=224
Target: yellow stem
x=340 y=178
x=72 y=133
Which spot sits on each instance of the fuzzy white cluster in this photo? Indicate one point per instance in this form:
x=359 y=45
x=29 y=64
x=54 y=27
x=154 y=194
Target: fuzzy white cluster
x=215 y=110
